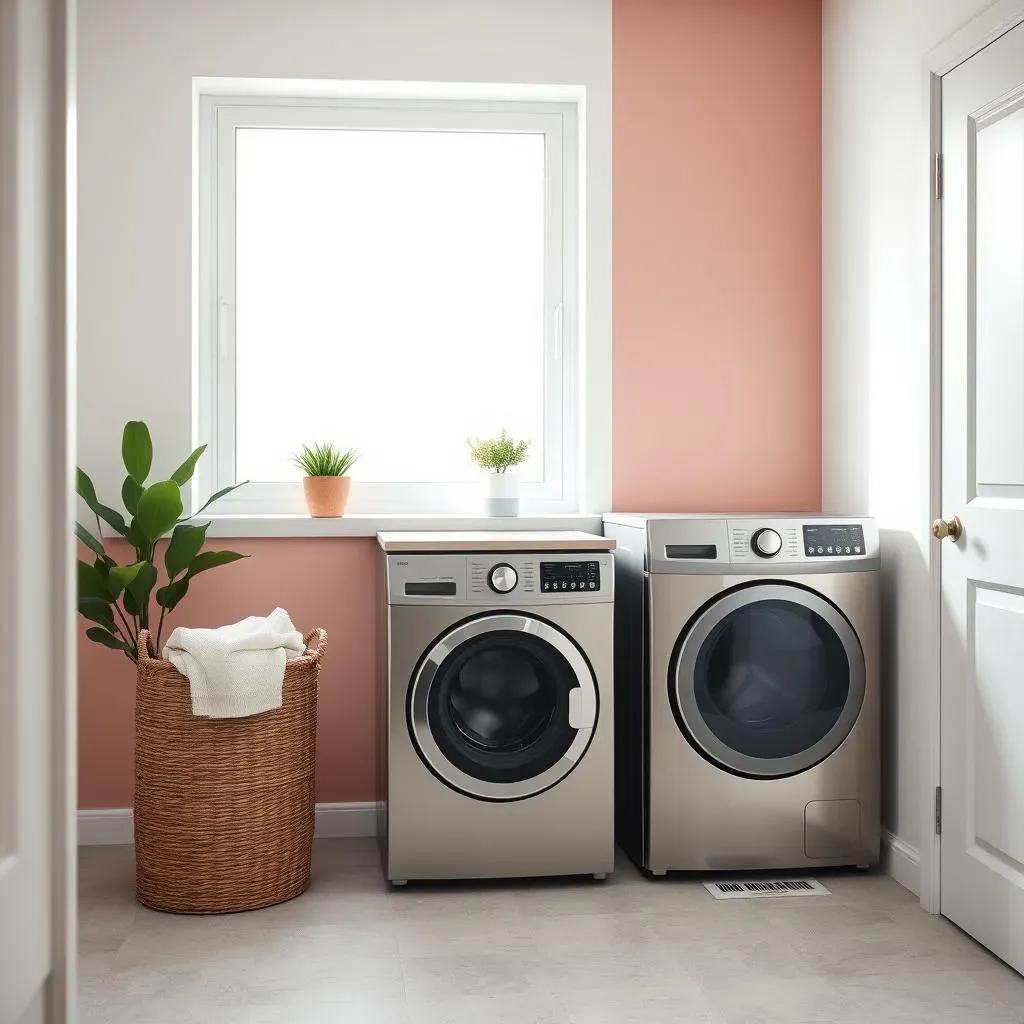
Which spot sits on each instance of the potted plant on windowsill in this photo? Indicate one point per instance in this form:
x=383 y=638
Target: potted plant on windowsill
x=326 y=482
x=498 y=455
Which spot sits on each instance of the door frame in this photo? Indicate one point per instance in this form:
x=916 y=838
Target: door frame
x=50 y=64
x=964 y=43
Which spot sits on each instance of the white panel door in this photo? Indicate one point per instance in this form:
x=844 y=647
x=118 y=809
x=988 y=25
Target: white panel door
x=982 y=884
x=35 y=506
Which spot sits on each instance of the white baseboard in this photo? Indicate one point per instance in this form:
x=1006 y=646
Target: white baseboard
x=108 y=827
x=346 y=821
x=902 y=861
x=113 y=826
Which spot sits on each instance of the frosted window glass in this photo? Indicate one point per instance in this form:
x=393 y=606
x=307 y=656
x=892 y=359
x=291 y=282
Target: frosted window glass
x=389 y=296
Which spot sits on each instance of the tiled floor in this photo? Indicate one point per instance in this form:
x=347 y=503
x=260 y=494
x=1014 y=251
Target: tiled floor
x=569 y=952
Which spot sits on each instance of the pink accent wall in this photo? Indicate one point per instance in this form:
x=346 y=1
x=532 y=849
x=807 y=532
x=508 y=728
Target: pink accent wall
x=717 y=255
x=717 y=357
x=323 y=582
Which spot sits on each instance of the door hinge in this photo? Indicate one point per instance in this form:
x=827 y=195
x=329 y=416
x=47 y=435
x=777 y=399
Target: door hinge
x=938 y=810
x=938 y=176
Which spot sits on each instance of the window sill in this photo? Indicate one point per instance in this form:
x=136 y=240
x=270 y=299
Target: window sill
x=370 y=525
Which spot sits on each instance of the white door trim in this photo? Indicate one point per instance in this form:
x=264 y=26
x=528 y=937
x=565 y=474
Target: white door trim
x=963 y=44
x=62 y=995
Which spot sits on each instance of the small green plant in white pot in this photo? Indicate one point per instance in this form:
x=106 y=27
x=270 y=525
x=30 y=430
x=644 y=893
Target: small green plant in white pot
x=326 y=482
x=498 y=455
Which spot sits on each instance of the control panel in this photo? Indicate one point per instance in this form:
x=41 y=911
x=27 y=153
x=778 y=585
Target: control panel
x=500 y=579
x=830 y=541
x=570 y=576
x=775 y=544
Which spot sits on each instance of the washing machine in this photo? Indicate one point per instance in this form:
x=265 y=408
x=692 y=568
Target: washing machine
x=747 y=682
x=497 y=749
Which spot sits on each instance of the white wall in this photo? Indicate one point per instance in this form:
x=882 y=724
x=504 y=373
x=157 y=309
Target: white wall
x=137 y=64
x=875 y=389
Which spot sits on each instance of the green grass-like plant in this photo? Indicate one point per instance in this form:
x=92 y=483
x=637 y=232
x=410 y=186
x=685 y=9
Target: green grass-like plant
x=498 y=454
x=325 y=459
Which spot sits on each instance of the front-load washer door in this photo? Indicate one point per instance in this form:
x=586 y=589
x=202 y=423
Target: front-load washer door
x=767 y=680
x=502 y=706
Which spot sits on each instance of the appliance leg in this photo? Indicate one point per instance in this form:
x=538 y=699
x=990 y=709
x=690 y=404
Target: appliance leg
x=863 y=867
x=600 y=876
x=659 y=874
x=397 y=883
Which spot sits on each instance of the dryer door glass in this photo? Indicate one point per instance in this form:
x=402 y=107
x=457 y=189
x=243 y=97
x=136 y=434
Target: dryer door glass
x=496 y=706
x=769 y=680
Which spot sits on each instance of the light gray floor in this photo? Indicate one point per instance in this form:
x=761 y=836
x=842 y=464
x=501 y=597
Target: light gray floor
x=566 y=952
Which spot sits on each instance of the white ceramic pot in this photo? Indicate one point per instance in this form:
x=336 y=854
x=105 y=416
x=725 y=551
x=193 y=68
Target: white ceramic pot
x=502 y=494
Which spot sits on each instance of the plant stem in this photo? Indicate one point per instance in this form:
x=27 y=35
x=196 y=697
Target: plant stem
x=134 y=637
x=160 y=629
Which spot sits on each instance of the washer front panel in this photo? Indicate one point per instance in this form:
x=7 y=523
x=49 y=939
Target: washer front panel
x=707 y=626
x=581 y=710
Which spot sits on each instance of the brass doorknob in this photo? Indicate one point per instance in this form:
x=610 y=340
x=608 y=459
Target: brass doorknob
x=952 y=528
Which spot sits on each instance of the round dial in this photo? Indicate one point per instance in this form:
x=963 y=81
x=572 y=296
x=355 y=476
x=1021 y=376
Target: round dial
x=503 y=579
x=766 y=543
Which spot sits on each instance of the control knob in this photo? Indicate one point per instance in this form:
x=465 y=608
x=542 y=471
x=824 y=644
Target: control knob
x=502 y=579
x=766 y=543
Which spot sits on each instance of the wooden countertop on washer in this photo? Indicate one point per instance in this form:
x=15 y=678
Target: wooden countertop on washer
x=498 y=540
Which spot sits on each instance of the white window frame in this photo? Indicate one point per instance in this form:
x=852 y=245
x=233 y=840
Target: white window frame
x=219 y=117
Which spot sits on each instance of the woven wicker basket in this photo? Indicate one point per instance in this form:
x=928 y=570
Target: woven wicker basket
x=223 y=807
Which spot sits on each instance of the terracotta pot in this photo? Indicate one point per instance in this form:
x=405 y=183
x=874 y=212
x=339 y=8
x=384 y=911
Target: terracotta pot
x=326 y=496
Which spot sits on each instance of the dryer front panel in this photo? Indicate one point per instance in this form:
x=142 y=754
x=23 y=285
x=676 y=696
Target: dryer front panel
x=502 y=706
x=767 y=679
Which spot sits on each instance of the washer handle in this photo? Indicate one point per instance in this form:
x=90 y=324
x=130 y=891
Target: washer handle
x=582 y=707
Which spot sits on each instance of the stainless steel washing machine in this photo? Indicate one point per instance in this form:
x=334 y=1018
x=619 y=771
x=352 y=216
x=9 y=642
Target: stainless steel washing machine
x=747 y=691
x=496 y=705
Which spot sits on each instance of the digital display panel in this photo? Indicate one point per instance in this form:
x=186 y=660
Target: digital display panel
x=830 y=541
x=569 y=576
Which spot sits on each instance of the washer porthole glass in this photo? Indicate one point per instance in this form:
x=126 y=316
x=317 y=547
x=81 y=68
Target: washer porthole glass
x=768 y=680
x=491 y=707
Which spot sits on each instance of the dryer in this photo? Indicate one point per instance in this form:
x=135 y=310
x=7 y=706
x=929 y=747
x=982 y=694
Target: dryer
x=747 y=682
x=496 y=705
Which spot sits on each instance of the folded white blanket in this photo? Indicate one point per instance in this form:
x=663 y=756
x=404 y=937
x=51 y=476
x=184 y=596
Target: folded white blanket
x=236 y=670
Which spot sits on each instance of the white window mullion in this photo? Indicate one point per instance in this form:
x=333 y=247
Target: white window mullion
x=554 y=427
x=224 y=442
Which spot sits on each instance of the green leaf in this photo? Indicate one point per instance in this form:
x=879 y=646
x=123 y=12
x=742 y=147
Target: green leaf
x=159 y=508
x=121 y=576
x=85 y=487
x=210 y=560
x=90 y=581
x=183 y=473
x=131 y=604
x=137 y=450
x=186 y=543
x=131 y=491
x=111 y=517
x=218 y=495
x=102 y=636
x=169 y=596
x=136 y=595
x=103 y=567
x=97 y=609
x=89 y=540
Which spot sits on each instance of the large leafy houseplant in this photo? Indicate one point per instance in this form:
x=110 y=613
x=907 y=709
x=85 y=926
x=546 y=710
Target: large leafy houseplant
x=117 y=598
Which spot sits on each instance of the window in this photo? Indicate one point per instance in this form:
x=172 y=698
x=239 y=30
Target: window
x=394 y=276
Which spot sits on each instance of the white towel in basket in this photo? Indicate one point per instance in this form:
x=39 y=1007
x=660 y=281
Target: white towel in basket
x=236 y=670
